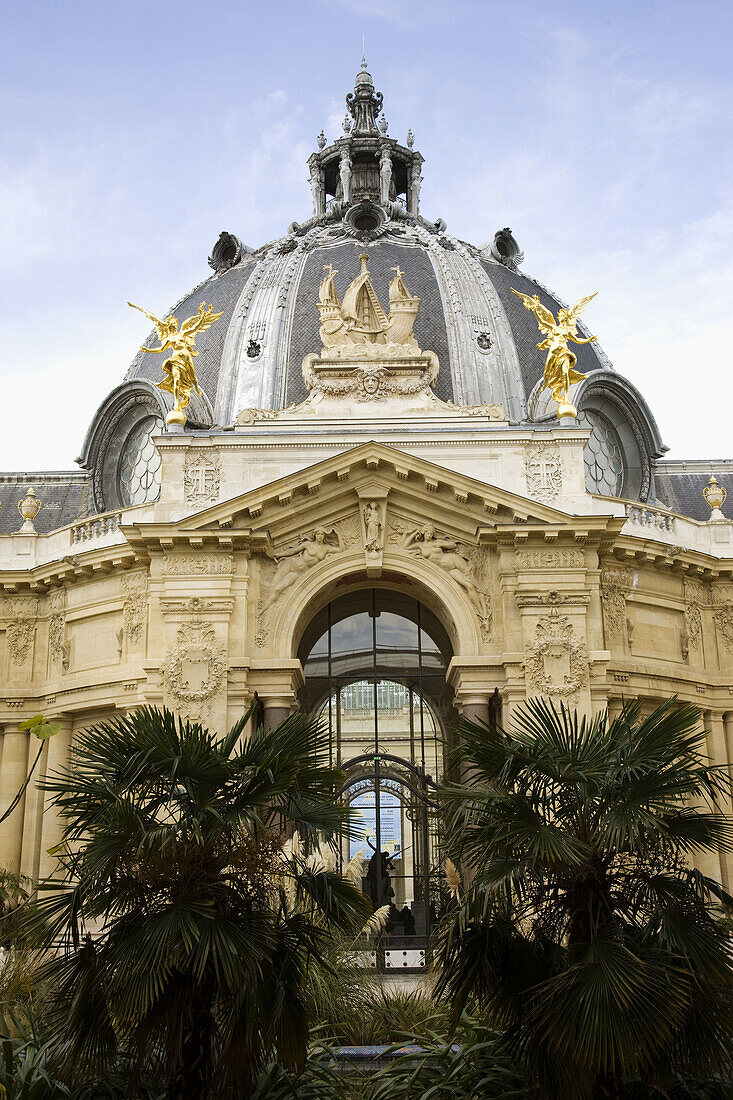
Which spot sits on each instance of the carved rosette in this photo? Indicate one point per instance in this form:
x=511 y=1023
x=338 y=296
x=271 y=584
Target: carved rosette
x=134 y=607
x=556 y=662
x=201 y=476
x=615 y=585
x=195 y=668
x=543 y=472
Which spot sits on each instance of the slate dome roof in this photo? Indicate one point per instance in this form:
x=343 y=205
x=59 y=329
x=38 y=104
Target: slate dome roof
x=365 y=189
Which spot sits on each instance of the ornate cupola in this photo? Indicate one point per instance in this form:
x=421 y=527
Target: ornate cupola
x=365 y=176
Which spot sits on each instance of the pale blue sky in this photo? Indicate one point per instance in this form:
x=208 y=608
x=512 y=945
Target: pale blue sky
x=133 y=133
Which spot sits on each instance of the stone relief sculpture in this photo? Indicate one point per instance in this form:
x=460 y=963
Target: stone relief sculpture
x=358 y=327
x=20 y=633
x=723 y=614
x=556 y=663
x=543 y=472
x=190 y=565
x=373 y=527
x=296 y=560
x=454 y=558
x=57 y=646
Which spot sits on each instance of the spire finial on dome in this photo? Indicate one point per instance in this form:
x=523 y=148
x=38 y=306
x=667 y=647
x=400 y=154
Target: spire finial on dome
x=364 y=104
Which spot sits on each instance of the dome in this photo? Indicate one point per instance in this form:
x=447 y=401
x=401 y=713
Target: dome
x=366 y=197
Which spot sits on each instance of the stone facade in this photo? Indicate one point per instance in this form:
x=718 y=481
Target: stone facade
x=198 y=609
x=420 y=461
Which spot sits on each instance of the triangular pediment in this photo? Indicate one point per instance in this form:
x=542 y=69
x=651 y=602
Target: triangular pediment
x=329 y=490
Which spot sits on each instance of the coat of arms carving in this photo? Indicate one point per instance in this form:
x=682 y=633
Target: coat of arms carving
x=556 y=663
x=195 y=667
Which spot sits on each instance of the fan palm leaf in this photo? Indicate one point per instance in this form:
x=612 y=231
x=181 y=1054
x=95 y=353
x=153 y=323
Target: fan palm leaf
x=586 y=932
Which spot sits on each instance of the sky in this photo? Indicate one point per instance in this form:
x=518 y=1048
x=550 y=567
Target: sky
x=132 y=134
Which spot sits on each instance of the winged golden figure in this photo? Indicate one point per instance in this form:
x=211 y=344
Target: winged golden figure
x=560 y=372
x=179 y=370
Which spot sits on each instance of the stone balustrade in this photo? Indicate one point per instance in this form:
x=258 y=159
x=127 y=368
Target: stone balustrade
x=96 y=527
x=653 y=518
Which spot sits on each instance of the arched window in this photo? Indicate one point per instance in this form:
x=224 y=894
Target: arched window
x=375 y=665
x=140 y=462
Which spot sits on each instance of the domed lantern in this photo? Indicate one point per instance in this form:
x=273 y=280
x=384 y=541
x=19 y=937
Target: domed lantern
x=715 y=496
x=29 y=507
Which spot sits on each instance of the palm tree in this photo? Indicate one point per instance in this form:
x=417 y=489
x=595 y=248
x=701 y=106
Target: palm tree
x=585 y=931
x=182 y=927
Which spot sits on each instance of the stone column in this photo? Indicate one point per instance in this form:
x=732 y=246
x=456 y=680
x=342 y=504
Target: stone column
x=59 y=748
x=728 y=727
x=277 y=708
x=13 y=773
x=475 y=708
x=715 y=738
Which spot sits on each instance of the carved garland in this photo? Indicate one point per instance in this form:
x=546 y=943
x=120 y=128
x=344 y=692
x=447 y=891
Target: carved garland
x=692 y=631
x=20 y=633
x=615 y=584
x=134 y=608
x=57 y=627
x=723 y=612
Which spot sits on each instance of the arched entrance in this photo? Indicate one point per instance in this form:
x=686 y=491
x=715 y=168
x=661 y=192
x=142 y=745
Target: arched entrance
x=375 y=664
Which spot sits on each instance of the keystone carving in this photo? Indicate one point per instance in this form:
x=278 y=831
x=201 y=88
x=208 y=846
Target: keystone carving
x=373 y=527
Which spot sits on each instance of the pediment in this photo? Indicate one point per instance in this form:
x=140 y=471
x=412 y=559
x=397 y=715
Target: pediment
x=330 y=491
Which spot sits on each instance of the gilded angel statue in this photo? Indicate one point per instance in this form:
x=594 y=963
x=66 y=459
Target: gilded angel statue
x=179 y=370
x=560 y=372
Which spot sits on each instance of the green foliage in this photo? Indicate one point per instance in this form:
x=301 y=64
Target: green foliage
x=585 y=933
x=40 y=727
x=183 y=935
x=472 y=1066
x=25 y=1065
